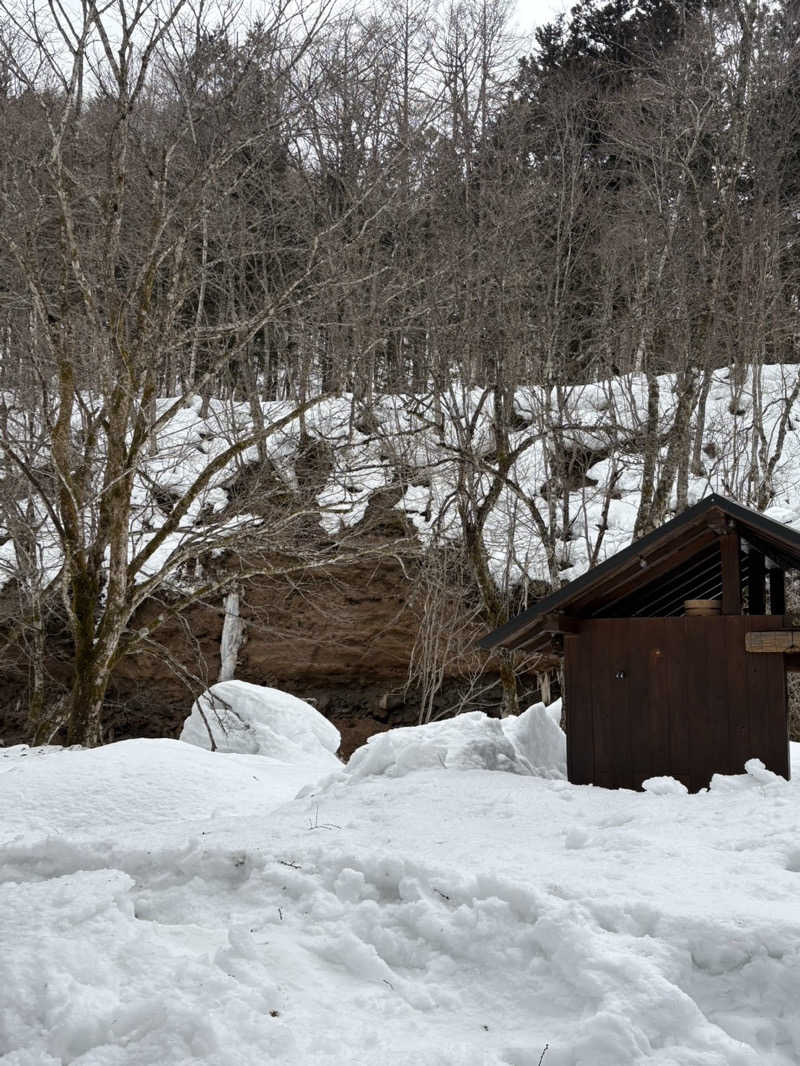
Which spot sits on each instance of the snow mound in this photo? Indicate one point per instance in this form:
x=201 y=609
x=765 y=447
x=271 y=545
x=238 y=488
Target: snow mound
x=529 y=744
x=139 y=784
x=254 y=720
x=665 y=786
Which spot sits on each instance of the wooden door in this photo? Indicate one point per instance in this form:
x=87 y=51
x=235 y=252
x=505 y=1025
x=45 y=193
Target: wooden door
x=672 y=696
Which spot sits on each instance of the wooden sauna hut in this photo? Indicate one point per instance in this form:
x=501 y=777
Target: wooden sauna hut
x=655 y=684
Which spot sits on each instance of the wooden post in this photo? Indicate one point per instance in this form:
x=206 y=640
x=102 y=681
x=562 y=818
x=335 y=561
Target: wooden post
x=777 y=592
x=231 y=638
x=731 y=576
x=756 y=598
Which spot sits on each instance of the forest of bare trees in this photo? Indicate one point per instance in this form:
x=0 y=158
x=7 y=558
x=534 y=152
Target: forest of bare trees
x=250 y=220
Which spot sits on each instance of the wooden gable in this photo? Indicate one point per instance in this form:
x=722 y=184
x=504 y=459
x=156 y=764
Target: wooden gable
x=714 y=550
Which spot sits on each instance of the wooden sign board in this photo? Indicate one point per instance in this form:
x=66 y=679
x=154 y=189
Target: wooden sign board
x=774 y=642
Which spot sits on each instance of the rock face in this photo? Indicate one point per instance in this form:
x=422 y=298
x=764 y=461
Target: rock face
x=340 y=640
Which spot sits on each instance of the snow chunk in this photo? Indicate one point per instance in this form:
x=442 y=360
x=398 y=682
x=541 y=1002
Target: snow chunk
x=538 y=738
x=756 y=775
x=664 y=786
x=530 y=744
x=255 y=720
x=756 y=769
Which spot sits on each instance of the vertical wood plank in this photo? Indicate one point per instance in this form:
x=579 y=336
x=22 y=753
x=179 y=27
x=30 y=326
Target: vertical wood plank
x=707 y=695
x=739 y=741
x=661 y=665
x=578 y=708
x=641 y=639
x=694 y=680
x=569 y=694
x=776 y=741
x=756 y=597
x=628 y=697
x=605 y=705
x=766 y=703
x=731 y=574
x=759 y=670
x=680 y=704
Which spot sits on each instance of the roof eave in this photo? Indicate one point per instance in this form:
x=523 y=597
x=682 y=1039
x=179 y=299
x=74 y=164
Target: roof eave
x=526 y=624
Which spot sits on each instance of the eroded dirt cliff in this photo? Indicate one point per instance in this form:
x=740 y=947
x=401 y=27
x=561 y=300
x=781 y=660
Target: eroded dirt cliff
x=341 y=640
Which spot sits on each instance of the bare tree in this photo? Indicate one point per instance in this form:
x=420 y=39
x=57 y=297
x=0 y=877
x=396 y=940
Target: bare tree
x=110 y=242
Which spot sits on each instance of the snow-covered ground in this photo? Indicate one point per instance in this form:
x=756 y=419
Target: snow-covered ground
x=438 y=903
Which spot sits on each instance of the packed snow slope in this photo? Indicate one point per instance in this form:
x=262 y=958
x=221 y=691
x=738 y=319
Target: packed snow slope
x=435 y=905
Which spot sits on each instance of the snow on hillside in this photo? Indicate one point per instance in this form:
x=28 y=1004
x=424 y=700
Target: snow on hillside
x=413 y=443
x=163 y=904
x=428 y=435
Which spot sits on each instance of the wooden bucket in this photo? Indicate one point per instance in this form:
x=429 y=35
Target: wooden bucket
x=702 y=608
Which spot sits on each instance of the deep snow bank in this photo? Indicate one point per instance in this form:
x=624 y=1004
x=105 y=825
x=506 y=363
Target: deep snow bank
x=162 y=904
x=235 y=716
x=532 y=743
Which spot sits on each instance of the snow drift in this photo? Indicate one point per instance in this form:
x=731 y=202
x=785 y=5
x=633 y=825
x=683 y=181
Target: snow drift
x=532 y=743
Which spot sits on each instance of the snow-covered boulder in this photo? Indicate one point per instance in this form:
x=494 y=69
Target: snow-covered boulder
x=255 y=720
x=531 y=744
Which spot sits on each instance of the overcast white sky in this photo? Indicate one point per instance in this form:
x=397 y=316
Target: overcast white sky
x=532 y=13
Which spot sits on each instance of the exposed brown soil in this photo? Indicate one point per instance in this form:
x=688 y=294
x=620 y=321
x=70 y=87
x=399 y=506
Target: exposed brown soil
x=341 y=640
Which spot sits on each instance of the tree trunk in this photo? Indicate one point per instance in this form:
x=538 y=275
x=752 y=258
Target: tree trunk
x=84 y=725
x=700 y=424
x=677 y=450
x=37 y=724
x=508 y=679
x=642 y=524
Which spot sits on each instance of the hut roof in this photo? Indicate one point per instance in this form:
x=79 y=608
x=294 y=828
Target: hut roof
x=655 y=575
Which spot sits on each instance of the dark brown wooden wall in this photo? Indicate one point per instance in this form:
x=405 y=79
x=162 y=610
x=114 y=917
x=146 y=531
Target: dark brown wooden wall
x=646 y=697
